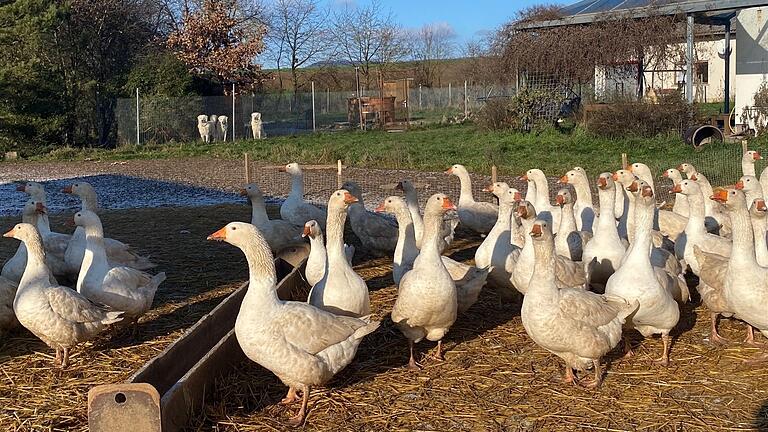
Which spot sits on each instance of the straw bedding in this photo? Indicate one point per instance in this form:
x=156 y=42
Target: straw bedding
x=494 y=377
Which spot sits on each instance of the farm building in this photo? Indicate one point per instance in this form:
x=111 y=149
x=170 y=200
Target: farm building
x=702 y=69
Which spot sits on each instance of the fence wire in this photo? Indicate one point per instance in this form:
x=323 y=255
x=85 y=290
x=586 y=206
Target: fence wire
x=174 y=119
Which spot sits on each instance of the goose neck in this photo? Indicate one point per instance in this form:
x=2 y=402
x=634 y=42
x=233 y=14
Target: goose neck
x=466 y=196
x=543 y=277
x=696 y=213
x=297 y=185
x=748 y=167
x=262 y=278
x=432 y=225
x=641 y=243
x=567 y=220
x=335 y=233
x=36 y=270
x=583 y=192
x=89 y=201
x=258 y=211
x=743 y=250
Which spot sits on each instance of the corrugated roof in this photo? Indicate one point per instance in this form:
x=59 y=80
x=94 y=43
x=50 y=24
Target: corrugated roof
x=596 y=6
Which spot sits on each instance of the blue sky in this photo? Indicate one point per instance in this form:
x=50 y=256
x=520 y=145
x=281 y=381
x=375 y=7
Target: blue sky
x=469 y=19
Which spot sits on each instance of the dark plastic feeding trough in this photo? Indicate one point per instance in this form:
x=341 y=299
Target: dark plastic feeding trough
x=700 y=135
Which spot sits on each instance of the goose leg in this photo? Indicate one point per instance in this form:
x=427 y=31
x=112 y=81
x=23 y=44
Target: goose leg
x=714 y=336
x=65 y=360
x=750 y=340
x=291 y=397
x=597 y=380
x=569 y=377
x=298 y=419
x=439 y=353
x=412 y=365
x=664 y=359
x=627 y=348
x=57 y=360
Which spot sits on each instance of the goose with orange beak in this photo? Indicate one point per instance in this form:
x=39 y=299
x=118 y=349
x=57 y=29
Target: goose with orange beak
x=680 y=206
x=295 y=209
x=476 y=215
x=278 y=233
x=341 y=291
x=602 y=255
x=576 y=325
x=317 y=259
x=583 y=207
x=750 y=185
x=58 y=315
x=302 y=345
x=412 y=200
x=748 y=160
x=497 y=247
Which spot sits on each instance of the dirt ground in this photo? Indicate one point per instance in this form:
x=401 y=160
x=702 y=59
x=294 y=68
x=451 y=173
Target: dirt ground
x=494 y=377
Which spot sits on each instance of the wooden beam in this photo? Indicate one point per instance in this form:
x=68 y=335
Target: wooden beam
x=304 y=167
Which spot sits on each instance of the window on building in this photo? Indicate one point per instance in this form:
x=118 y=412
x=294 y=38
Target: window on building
x=702 y=72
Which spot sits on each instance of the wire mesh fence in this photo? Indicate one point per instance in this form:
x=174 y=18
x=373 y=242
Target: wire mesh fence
x=159 y=119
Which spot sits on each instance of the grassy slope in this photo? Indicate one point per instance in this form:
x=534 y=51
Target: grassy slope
x=436 y=148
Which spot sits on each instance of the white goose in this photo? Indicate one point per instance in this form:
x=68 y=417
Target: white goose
x=748 y=160
x=757 y=213
x=496 y=248
x=712 y=209
x=120 y=288
x=426 y=305
x=695 y=232
x=750 y=185
x=294 y=209
x=636 y=280
x=544 y=208
x=278 y=233
x=680 y=205
x=477 y=216
x=36 y=192
x=569 y=241
x=303 y=345
x=317 y=261
x=576 y=325
x=341 y=291
x=58 y=315
x=583 y=207
x=412 y=200
x=117 y=252
x=602 y=255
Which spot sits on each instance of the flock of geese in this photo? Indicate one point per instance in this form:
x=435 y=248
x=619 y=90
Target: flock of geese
x=586 y=272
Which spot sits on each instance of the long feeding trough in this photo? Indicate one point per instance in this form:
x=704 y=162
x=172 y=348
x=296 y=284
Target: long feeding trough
x=167 y=390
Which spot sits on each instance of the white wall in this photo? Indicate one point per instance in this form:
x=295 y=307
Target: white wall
x=751 y=57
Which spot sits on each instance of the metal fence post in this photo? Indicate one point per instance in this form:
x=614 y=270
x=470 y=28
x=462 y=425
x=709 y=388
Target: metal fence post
x=419 y=96
x=138 y=138
x=328 y=100
x=449 y=95
x=466 y=100
x=314 y=126
x=234 y=121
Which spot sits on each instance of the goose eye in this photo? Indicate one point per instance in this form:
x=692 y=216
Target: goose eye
x=234 y=228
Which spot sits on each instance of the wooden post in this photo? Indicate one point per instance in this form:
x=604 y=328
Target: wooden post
x=247 y=169
x=338 y=174
x=624 y=162
x=494 y=174
x=743 y=146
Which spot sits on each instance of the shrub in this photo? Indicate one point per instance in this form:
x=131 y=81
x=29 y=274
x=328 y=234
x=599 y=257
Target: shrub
x=640 y=119
x=530 y=109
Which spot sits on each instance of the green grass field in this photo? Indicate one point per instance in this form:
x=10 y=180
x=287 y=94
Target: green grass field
x=435 y=148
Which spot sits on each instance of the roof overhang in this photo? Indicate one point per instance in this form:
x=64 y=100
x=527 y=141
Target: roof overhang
x=705 y=11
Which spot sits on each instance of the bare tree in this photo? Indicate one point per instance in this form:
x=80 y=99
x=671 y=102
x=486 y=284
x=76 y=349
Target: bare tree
x=432 y=45
x=299 y=33
x=368 y=36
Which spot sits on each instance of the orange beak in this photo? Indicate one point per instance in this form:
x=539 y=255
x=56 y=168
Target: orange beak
x=399 y=186
x=67 y=189
x=680 y=167
x=488 y=188
x=522 y=211
x=518 y=196
x=676 y=189
x=615 y=176
x=70 y=222
x=721 y=196
x=380 y=208
x=21 y=188
x=761 y=206
x=448 y=205
x=306 y=232
x=536 y=230
x=40 y=208
x=523 y=177
x=647 y=191
x=633 y=187
x=666 y=174
x=563 y=180
x=629 y=168
x=449 y=170
x=602 y=182
x=10 y=233
x=243 y=192
x=560 y=200
x=757 y=156
x=283 y=169
x=219 y=235
x=349 y=198
x=694 y=178
x=739 y=185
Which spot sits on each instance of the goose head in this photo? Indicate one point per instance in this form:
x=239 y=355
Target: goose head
x=526 y=210
x=511 y=196
x=239 y=234
x=251 y=191
x=80 y=189
x=639 y=169
x=672 y=174
x=687 y=168
x=758 y=209
x=31 y=188
x=605 y=181
x=751 y=156
x=687 y=187
x=86 y=218
x=457 y=170
x=311 y=229
x=497 y=188
x=730 y=198
x=749 y=183
x=564 y=197
x=391 y=204
x=341 y=199
x=24 y=232
x=33 y=207
x=292 y=168
x=541 y=230
x=353 y=188
x=439 y=204
x=570 y=176
x=624 y=177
